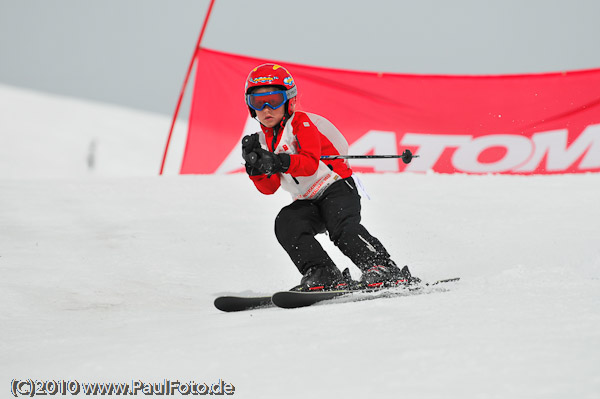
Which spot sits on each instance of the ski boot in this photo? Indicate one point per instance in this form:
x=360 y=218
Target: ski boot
x=389 y=275
x=325 y=278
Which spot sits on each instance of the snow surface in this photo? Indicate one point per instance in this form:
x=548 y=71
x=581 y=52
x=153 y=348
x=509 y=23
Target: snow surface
x=108 y=273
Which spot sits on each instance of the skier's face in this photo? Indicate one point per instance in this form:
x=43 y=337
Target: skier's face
x=267 y=116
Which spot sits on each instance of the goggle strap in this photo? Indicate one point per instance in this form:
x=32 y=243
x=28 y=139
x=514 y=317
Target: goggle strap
x=291 y=92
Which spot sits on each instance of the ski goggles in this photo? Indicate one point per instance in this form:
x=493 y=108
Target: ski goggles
x=271 y=99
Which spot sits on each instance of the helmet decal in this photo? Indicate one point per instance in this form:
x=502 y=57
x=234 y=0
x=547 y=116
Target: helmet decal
x=264 y=79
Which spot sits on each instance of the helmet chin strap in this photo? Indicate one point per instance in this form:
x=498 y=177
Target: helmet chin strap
x=277 y=128
x=286 y=114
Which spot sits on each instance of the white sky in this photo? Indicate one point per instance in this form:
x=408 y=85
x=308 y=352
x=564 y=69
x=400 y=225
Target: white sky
x=136 y=52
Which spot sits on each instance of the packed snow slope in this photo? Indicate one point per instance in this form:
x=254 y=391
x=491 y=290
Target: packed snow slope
x=108 y=274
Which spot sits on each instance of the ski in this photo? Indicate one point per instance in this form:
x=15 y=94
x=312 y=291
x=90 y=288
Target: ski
x=239 y=303
x=298 y=299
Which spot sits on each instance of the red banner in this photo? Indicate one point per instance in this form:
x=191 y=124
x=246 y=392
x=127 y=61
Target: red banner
x=512 y=124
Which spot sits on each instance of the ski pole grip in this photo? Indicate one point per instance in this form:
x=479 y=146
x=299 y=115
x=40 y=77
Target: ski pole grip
x=252 y=158
x=249 y=144
x=247 y=140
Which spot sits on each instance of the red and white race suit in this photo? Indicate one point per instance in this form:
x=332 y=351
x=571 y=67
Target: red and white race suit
x=305 y=137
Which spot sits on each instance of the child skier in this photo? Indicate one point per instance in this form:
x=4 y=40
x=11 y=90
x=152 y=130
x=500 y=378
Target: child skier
x=287 y=153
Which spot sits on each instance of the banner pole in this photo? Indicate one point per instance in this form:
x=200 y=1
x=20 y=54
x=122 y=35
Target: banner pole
x=185 y=82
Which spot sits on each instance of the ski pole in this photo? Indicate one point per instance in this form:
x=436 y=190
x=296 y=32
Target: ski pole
x=406 y=156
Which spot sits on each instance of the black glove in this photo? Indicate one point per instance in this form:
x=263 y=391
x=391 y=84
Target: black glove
x=269 y=163
x=250 y=144
x=252 y=171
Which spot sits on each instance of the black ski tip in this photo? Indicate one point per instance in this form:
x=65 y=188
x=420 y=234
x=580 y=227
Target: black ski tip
x=223 y=303
x=237 y=304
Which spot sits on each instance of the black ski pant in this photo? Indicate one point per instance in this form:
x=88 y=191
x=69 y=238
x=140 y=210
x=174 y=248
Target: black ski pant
x=337 y=211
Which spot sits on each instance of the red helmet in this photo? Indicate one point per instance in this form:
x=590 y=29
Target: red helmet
x=272 y=75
